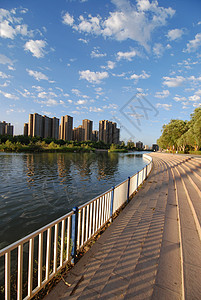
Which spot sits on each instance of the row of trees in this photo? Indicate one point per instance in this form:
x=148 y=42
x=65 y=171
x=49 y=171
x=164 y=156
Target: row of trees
x=182 y=135
x=43 y=142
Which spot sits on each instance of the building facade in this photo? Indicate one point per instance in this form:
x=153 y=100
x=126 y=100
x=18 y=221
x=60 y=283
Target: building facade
x=78 y=134
x=108 y=132
x=66 y=128
x=155 y=147
x=95 y=135
x=139 y=145
x=87 y=125
x=26 y=129
x=6 y=128
x=42 y=126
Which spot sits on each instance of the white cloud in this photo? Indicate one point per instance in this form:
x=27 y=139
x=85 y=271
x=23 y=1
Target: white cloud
x=3 y=75
x=193 y=45
x=144 y=75
x=36 y=47
x=9 y=96
x=7 y=31
x=111 y=105
x=5 y=60
x=158 y=49
x=111 y=65
x=37 y=75
x=174 y=81
x=198 y=93
x=83 y=41
x=76 y=92
x=194 y=98
x=175 y=34
x=127 y=55
x=70 y=101
x=126 y=22
x=195 y=79
x=196 y=104
x=93 y=77
x=11 y=68
x=163 y=94
x=49 y=102
x=38 y=88
x=5 y=84
x=178 y=98
x=10 y=25
x=119 y=75
x=42 y=95
x=92 y=25
x=165 y=106
x=95 y=53
x=68 y=19
x=95 y=109
x=81 y=101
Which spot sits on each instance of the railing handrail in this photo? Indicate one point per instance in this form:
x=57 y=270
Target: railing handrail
x=42 y=229
x=95 y=198
x=33 y=234
x=77 y=226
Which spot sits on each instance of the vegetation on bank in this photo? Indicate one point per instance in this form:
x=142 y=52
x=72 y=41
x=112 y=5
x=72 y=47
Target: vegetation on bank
x=22 y=143
x=118 y=148
x=182 y=136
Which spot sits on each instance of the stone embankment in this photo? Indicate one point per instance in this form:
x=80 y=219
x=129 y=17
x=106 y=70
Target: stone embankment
x=152 y=250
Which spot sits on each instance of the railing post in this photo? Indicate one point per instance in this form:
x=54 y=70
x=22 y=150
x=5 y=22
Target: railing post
x=74 y=233
x=112 y=204
x=137 y=178
x=128 y=193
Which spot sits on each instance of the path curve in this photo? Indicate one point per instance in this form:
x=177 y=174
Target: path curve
x=153 y=249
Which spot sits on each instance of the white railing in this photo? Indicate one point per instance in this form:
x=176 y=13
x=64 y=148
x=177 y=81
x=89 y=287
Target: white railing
x=30 y=263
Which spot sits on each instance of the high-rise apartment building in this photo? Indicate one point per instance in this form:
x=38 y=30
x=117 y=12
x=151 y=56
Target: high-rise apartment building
x=47 y=127
x=66 y=128
x=6 y=128
x=139 y=145
x=26 y=129
x=87 y=125
x=55 y=128
x=95 y=135
x=30 y=126
x=108 y=132
x=78 y=134
x=42 y=126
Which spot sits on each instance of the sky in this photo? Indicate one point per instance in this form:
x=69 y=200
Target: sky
x=137 y=63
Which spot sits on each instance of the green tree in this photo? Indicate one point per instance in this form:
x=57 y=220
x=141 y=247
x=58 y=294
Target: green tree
x=171 y=134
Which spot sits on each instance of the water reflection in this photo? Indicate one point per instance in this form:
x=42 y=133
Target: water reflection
x=38 y=188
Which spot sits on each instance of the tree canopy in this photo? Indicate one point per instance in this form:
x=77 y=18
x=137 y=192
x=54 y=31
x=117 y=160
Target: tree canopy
x=182 y=135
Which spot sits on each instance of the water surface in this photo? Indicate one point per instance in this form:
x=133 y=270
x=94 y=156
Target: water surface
x=35 y=189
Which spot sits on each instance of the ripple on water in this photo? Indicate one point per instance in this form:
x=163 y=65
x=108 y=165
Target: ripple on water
x=35 y=189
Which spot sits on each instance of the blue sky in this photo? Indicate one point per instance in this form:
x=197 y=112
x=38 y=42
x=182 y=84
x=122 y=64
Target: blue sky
x=134 y=62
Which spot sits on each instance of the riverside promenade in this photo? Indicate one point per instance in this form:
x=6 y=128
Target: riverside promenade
x=152 y=250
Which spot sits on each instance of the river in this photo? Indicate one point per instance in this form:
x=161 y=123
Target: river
x=35 y=189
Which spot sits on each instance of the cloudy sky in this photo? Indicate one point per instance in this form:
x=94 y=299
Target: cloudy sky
x=137 y=63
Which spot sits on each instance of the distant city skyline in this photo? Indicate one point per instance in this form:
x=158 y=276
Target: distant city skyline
x=136 y=63
x=46 y=127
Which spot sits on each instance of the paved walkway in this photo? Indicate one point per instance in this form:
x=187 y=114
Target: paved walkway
x=153 y=249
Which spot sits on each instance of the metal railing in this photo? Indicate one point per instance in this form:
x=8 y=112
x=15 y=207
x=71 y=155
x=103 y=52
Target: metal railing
x=30 y=263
